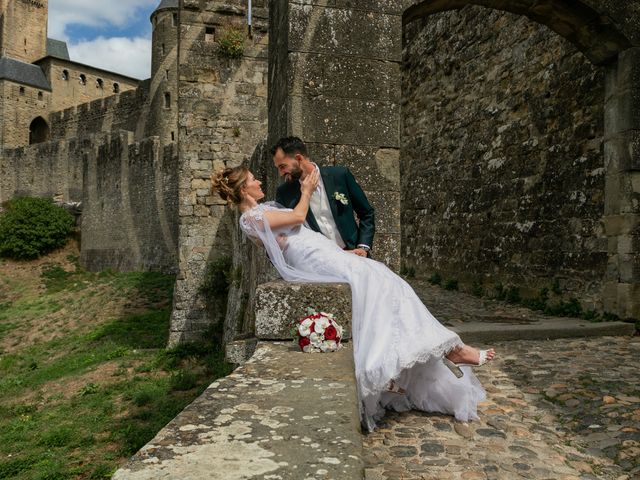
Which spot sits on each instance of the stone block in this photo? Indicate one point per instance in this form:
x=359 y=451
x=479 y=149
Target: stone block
x=387 y=211
x=346 y=77
x=252 y=423
x=375 y=169
x=625 y=73
x=345 y=32
x=386 y=249
x=621 y=224
x=622 y=152
x=622 y=112
x=239 y=351
x=279 y=304
x=346 y=121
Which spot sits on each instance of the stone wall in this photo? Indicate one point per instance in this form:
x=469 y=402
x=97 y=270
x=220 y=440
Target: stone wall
x=128 y=190
x=23 y=29
x=69 y=90
x=223 y=112
x=502 y=154
x=52 y=169
x=130 y=205
x=21 y=104
x=117 y=112
x=336 y=85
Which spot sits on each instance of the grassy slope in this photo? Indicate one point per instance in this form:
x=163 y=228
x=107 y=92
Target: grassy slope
x=84 y=377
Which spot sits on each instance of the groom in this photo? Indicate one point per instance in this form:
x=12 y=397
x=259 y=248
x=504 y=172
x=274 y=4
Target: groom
x=332 y=205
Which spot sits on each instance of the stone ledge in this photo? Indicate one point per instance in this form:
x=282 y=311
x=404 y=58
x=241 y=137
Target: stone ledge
x=284 y=415
x=278 y=304
x=553 y=328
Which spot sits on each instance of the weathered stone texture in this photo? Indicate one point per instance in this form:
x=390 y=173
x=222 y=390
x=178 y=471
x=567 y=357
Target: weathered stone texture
x=280 y=304
x=502 y=162
x=223 y=111
x=21 y=104
x=52 y=170
x=70 y=90
x=284 y=414
x=129 y=219
x=24 y=38
x=337 y=89
x=125 y=111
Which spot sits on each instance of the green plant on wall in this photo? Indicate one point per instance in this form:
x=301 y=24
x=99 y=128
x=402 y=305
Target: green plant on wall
x=231 y=43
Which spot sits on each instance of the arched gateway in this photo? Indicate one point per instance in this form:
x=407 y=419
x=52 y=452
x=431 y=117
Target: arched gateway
x=38 y=131
x=343 y=97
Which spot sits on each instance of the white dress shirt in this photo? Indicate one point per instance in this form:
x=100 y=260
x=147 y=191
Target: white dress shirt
x=319 y=205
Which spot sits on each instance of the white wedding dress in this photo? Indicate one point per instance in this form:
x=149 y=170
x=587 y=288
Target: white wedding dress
x=394 y=335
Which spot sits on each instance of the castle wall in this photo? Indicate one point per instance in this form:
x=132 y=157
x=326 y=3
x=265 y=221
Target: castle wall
x=23 y=29
x=68 y=89
x=223 y=113
x=19 y=110
x=502 y=161
x=130 y=199
x=125 y=111
x=128 y=190
x=52 y=169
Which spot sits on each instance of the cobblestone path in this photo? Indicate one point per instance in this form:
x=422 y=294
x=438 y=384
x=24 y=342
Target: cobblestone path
x=557 y=410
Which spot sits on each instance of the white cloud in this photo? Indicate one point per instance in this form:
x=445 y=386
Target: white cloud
x=128 y=56
x=92 y=13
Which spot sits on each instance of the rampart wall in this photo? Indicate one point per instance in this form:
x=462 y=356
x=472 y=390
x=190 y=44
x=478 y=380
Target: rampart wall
x=117 y=112
x=52 y=169
x=502 y=154
x=128 y=190
x=130 y=204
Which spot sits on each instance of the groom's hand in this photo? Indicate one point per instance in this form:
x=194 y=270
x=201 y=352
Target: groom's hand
x=358 y=251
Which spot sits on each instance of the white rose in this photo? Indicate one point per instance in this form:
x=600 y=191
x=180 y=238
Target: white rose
x=329 y=346
x=315 y=338
x=307 y=348
x=306 y=322
x=304 y=330
x=321 y=324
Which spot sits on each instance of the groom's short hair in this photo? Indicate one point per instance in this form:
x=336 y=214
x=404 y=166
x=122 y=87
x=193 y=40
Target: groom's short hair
x=290 y=146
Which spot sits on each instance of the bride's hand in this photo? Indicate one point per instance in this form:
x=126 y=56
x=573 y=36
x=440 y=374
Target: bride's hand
x=310 y=183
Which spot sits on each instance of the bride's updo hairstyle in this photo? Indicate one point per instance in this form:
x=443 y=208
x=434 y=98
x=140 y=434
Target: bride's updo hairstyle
x=228 y=183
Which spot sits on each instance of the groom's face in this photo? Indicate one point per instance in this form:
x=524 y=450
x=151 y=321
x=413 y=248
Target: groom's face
x=288 y=165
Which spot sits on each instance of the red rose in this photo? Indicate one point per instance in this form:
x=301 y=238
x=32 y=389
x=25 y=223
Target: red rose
x=330 y=333
x=304 y=341
x=312 y=327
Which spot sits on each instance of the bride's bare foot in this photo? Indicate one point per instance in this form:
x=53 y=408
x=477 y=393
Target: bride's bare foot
x=471 y=356
x=466 y=356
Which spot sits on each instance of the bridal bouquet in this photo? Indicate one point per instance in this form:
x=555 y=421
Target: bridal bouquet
x=318 y=332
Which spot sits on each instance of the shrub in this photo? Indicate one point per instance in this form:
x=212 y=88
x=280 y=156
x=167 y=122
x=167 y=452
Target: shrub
x=231 y=45
x=435 y=279
x=31 y=227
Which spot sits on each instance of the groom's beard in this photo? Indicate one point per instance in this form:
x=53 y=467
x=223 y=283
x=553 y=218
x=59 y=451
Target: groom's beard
x=294 y=175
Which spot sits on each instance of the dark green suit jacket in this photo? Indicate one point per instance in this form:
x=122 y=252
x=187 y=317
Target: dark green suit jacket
x=341 y=180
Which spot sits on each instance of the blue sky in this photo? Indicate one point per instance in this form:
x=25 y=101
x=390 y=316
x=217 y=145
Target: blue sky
x=114 y=35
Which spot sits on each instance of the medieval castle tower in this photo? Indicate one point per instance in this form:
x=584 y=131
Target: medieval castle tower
x=38 y=78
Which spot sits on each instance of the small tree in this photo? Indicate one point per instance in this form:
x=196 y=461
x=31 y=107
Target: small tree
x=31 y=227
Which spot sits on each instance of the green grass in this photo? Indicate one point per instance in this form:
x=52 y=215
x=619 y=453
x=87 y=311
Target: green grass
x=78 y=405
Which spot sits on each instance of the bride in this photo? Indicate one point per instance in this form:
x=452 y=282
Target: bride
x=404 y=358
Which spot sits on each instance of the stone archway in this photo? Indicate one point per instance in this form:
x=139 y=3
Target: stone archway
x=334 y=82
x=603 y=43
x=38 y=131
